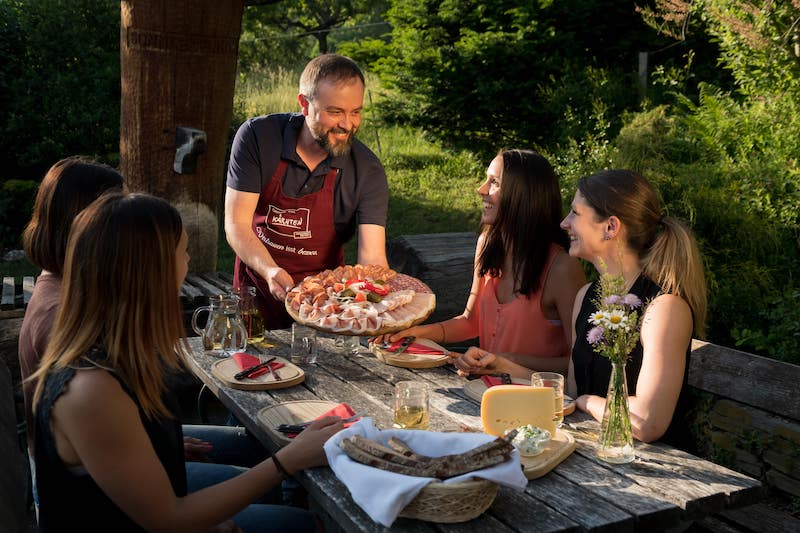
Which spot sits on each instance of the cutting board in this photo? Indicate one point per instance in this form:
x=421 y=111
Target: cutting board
x=290 y=375
x=407 y=360
x=476 y=387
x=558 y=449
x=291 y=413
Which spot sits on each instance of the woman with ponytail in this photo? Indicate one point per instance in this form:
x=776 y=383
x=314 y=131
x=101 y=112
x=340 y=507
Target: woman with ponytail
x=616 y=223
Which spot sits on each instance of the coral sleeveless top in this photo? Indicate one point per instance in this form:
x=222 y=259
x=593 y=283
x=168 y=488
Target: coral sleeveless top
x=519 y=326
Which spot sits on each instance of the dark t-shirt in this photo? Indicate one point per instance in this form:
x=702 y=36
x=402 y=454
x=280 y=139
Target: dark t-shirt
x=593 y=371
x=361 y=193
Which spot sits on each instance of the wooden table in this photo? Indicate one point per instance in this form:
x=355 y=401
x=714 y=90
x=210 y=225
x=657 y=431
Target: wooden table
x=664 y=487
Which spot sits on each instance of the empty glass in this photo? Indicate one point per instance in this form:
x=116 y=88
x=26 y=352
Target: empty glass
x=304 y=344
x=347 y=344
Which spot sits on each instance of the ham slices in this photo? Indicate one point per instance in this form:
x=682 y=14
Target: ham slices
x=360 y=300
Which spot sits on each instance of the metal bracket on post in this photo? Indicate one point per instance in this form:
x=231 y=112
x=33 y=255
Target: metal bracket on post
x=189 y=144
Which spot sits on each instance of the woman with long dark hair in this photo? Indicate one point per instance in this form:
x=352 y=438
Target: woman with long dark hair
x=524 y=282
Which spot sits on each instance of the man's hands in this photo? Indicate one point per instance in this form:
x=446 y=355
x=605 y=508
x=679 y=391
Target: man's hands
x=279 y=281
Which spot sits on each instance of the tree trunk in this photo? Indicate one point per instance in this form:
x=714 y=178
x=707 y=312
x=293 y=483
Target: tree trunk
x=178 y=63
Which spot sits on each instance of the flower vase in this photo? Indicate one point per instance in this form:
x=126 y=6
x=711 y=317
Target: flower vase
x=615 y=444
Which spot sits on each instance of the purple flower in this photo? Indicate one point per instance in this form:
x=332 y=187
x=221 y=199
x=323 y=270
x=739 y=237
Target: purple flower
x=631 y=300
x=612 y=299
x=595 y=335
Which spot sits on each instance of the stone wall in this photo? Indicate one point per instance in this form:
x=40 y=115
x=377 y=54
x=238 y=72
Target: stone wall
x=758 y=443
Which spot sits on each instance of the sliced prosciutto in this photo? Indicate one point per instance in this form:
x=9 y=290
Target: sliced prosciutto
x=360 y=300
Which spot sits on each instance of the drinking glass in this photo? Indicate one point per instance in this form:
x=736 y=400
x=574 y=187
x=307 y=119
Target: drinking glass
x=251 y=316
x=411 y=405
x=556 y=381
x=347 y=344
x=304 y=344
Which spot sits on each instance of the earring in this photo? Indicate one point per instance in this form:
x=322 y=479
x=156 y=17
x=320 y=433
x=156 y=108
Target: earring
x=608 y=237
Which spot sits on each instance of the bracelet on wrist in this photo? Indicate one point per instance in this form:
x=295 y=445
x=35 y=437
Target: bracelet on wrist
x=444 y=337
x=279 y=467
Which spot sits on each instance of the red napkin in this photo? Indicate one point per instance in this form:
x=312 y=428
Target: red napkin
x=491 y=381
x=416 y=348
x=342 y=411
x=245 y=360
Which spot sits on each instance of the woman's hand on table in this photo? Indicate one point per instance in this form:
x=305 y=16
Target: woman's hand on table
x=474 y=361
x=389 y=338
x=196 y=450
x=228 y=526
x=305 y=450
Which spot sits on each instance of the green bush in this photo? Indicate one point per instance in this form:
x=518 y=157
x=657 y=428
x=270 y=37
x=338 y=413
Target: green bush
x=730 y=169
x=486 y=75
x=16 y=205
x=59 y=83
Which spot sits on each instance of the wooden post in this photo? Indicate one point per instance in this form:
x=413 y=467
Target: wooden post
x=178 y=65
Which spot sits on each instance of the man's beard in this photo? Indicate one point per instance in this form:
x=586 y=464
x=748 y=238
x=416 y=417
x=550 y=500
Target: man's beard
x=338 y=149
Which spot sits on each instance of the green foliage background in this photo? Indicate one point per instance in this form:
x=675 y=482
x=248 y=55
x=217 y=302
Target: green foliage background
x=452 y=81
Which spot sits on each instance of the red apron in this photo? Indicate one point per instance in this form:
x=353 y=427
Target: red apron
x=299 y=235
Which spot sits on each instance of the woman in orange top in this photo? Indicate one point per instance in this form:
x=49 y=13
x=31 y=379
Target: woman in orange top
x=524 y=282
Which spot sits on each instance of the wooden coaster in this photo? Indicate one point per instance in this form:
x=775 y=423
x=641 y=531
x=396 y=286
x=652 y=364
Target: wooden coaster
x=408 y=360
x=289 y=376
x=476 y=387
x=291 y=413
x=556 y=451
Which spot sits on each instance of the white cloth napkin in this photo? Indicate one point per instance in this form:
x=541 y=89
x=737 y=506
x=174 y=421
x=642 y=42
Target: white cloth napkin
x=384 y=494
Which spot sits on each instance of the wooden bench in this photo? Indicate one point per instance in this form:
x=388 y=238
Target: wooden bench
x=747 y=415
x=195 y=291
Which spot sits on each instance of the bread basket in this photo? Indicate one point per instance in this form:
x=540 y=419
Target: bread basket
x=452 y=502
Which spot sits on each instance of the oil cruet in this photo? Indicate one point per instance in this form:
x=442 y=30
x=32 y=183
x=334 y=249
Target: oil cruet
x=224 y=332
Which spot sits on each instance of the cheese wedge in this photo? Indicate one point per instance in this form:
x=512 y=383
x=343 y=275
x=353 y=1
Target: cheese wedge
x=505 y=407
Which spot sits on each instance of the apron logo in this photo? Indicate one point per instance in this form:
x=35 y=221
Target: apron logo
x=289 y=222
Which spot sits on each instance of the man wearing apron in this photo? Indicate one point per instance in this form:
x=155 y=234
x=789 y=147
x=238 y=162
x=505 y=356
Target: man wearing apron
x=299 y=186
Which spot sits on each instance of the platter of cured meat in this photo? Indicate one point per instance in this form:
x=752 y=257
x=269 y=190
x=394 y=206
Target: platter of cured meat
x=362 y=300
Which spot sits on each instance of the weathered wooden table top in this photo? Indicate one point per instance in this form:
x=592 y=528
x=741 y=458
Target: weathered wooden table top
x=663 y=488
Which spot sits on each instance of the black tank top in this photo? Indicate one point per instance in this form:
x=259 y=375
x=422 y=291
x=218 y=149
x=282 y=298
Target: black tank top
x=593 y=371
x=71 y=501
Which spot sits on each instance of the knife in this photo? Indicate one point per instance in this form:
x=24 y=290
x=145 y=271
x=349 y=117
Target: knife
x=404 y=344
x=300 y=426
x=247 y=371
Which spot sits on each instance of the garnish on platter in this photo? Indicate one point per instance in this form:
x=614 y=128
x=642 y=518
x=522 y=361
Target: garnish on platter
x=360 y=300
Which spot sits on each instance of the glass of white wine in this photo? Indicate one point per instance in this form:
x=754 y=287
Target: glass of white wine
x=411 y=405
x=556 y=381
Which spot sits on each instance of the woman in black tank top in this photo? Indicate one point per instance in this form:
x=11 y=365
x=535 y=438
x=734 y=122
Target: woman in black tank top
x=616 y=223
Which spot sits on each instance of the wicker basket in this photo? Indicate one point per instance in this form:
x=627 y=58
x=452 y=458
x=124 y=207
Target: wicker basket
x=450 y=503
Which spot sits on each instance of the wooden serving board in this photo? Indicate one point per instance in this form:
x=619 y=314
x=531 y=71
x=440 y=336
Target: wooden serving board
x=291 y=413
x=408 y=360
x=556 y=451
x=476 y=387
x=402 y=281
x=290 y=375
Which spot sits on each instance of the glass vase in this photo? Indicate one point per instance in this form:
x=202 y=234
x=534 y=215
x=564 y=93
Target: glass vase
x=615 y=444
